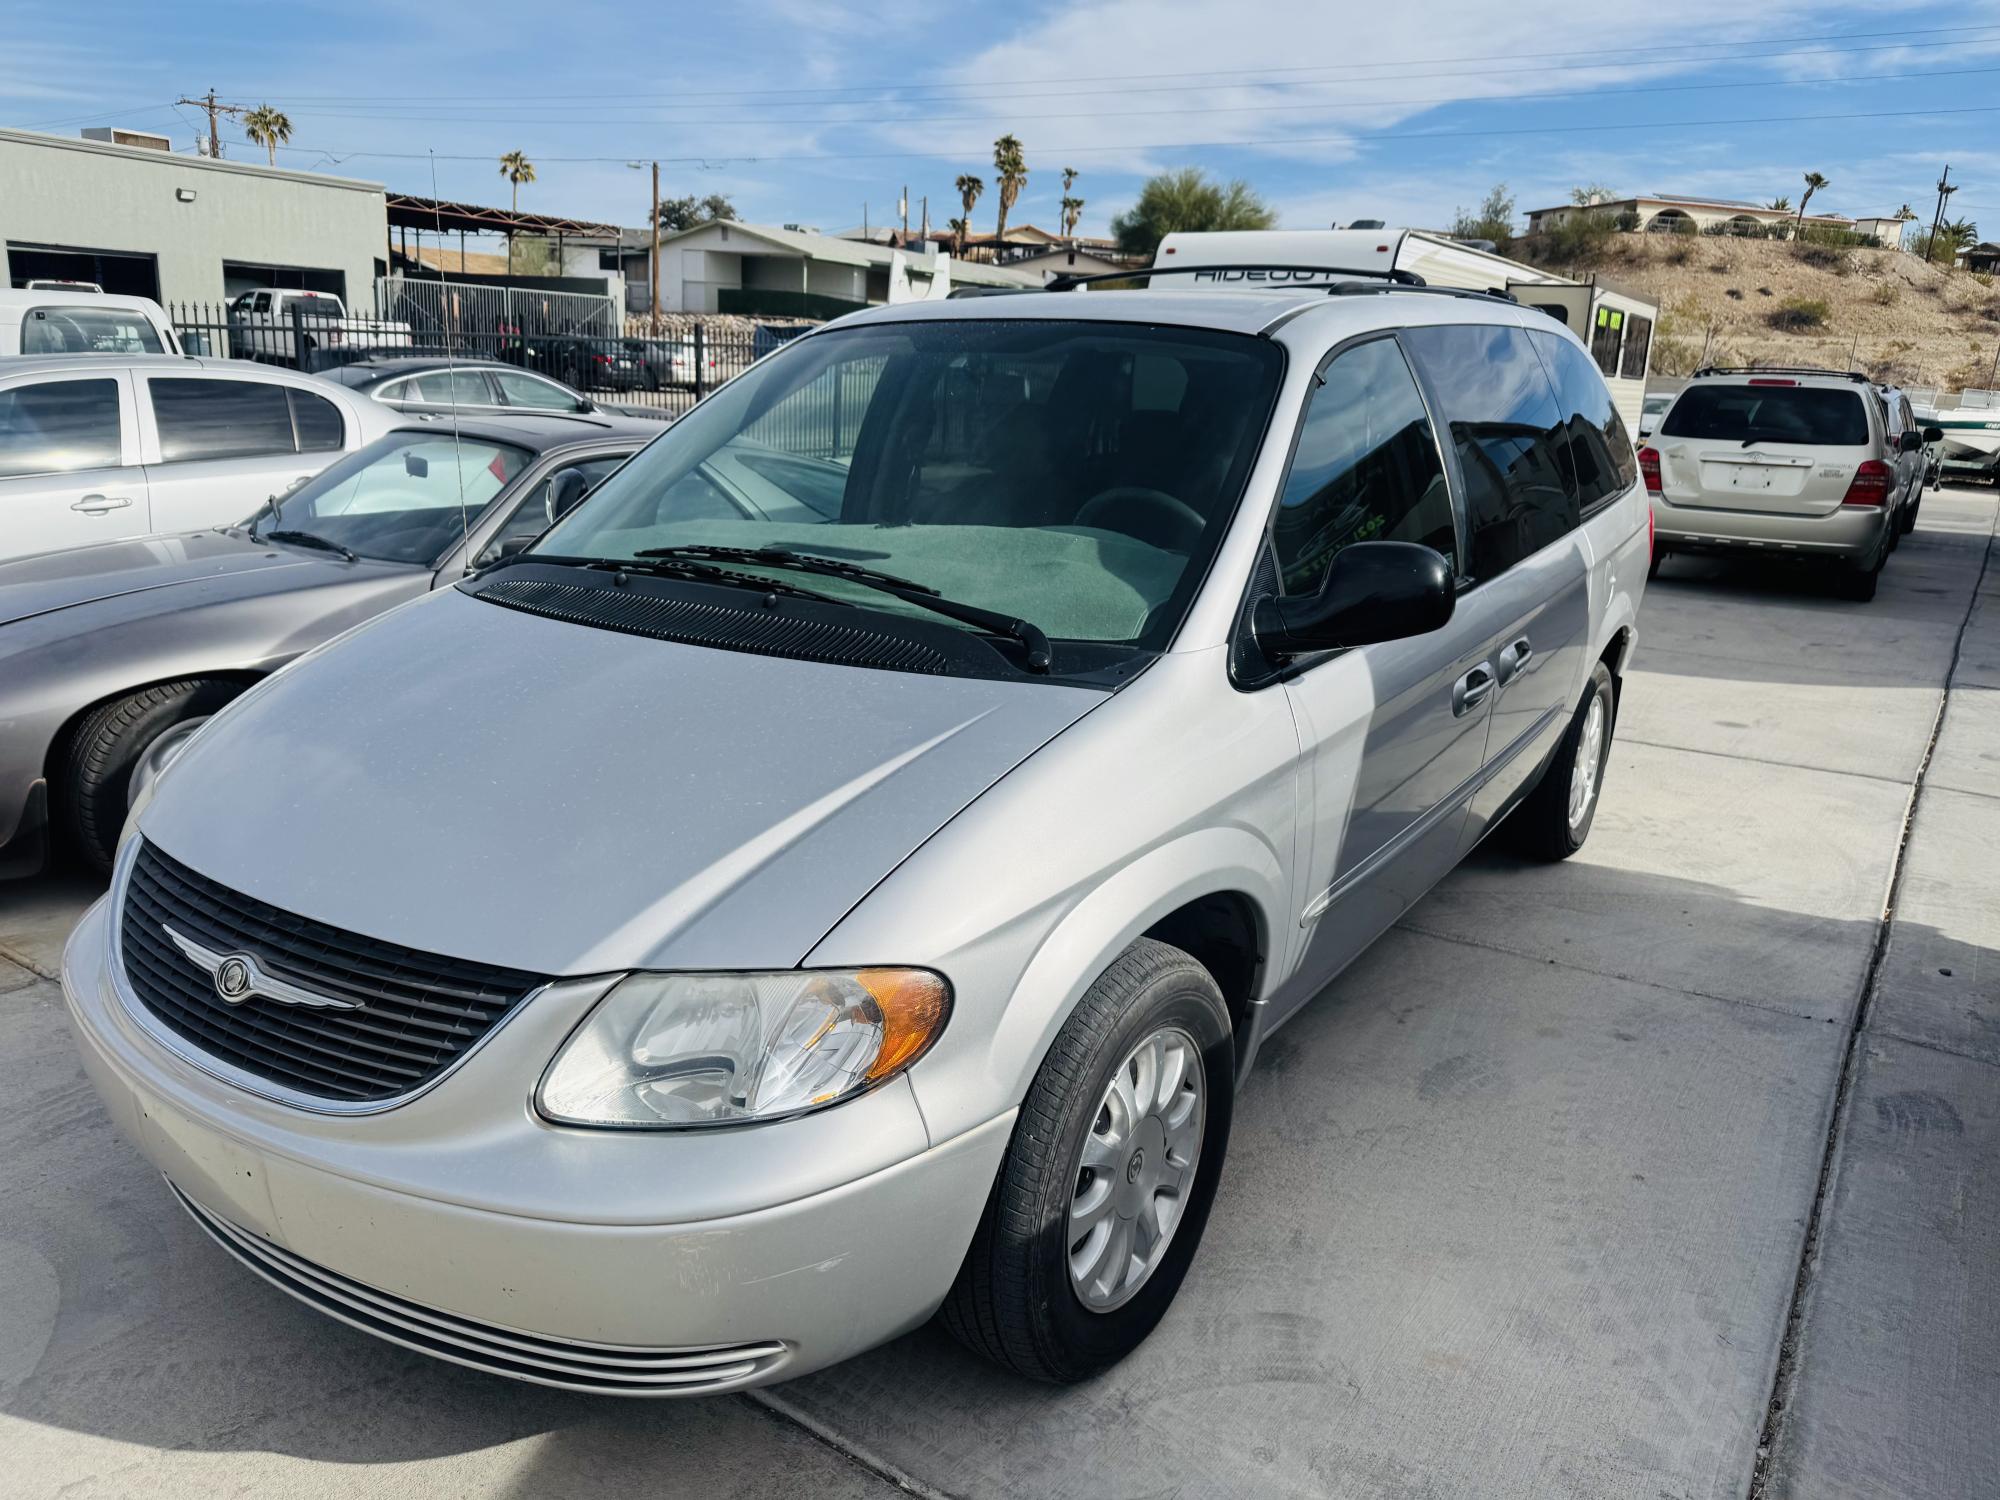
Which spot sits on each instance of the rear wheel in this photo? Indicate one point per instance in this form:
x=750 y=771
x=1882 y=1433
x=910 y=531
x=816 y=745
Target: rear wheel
x=1910 y=514
x=1653 y=567
x=1555 y=819
x=1106 y=1186
x=97 y=766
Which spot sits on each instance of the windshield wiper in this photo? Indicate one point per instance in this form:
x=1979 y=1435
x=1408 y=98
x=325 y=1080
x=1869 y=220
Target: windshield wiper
x=307 y=539
x=698 y=572
x=1030 y=635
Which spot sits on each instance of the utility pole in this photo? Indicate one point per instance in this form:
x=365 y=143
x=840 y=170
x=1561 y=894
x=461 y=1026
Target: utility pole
x=1945 y=190
x=903 y=207
x=653 y=290
x=214 y=109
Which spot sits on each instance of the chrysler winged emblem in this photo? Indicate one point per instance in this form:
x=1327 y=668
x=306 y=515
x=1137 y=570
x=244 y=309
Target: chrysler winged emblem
x=238 y=977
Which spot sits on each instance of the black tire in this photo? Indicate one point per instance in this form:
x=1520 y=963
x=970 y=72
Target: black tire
x=1909 y=522
x=1653 y=567
x=97 y=762
x=1540 y=826
x=1858 y=584
x=1013 y=1301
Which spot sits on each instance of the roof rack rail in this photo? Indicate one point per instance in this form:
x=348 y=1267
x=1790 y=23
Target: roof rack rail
x=1860 y=377
x=1244 y=270
x=1363 y=288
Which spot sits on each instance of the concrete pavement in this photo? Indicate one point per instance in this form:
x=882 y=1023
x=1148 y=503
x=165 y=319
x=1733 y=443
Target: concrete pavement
x=1515 y=1208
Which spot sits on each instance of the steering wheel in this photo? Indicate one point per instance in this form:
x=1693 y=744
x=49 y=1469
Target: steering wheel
x=1150 y=515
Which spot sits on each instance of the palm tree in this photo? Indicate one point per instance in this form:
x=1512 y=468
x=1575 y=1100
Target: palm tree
x=269 y=128
x=1780 y=204
x=1814 y=182
x=1072 y=208
x=969 y=189
x=517 y=169
x=1010 y=175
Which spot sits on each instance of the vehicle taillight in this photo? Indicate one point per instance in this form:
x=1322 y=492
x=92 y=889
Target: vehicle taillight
x=1649 y=466
x=1771 y=382
x=1870 y=485
x=1649 y=533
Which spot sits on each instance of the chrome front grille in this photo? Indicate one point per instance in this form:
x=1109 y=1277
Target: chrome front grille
x=610 y=1369
x=395 y=1018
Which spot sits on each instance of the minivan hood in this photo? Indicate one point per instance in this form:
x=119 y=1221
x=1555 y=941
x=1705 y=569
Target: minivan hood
x=479 y=782
x=47 y=581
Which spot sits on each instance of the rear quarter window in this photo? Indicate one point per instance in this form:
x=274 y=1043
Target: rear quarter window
x=1806 y=415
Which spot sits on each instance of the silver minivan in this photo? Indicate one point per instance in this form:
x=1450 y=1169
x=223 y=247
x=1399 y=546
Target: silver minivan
x=727 y=934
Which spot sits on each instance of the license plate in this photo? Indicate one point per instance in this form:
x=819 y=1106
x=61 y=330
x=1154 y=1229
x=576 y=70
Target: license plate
x=1748 y=478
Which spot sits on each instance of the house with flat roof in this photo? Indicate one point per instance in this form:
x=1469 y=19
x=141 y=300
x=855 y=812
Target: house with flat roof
x=1666 y=213
x=789 y=271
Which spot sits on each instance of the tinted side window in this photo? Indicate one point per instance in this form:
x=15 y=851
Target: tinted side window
x=1492 y=395
x=450 y=388
x=317 y=422
x=1598 y=457
x=1366 y=469
x=59 y=426
x=201 y=419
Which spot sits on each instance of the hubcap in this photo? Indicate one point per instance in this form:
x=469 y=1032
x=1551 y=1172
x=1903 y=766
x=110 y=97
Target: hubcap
x=1137 y=1168
x=1589 y=761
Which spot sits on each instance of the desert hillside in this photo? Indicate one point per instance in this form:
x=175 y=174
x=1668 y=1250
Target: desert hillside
x=1740 y=301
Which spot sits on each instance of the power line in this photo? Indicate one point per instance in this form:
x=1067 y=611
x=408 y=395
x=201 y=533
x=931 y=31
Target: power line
x=1319 y=107
x=874 y=91
x=1329 y=140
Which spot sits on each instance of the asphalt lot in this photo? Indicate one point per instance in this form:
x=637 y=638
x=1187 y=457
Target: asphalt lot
x=1516 y=1208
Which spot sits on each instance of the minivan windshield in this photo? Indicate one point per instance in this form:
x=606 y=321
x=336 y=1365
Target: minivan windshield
x=404 y=498
x=1076 y=475
x=1812 y=415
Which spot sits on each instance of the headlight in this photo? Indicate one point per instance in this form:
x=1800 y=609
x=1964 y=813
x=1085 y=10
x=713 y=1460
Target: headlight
x=666 y=1050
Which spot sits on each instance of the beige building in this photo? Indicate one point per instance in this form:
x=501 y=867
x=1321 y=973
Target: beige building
x=1665 y=213
x=137 y=219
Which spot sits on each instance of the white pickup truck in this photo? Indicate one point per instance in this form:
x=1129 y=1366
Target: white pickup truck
x=271 y=325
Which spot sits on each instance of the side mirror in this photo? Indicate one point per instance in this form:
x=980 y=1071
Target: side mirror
x=1373 y=591
x=1933 y=434
x=566 y=492
x=416 y=466
x=1909 y=442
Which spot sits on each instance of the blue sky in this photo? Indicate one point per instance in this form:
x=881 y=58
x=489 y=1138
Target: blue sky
x=802 y=110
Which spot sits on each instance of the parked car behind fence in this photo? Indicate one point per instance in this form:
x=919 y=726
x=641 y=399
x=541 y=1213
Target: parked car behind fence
x=668 y=373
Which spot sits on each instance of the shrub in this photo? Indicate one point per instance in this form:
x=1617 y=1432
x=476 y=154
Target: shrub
x=1678 y=251
x=1797 y=314
x=1763 y=291
x=1822 y=256
x=1578 y=240
x=1984 y=278
x=1627 y=220
x=1884 y=294
x=1734 y=294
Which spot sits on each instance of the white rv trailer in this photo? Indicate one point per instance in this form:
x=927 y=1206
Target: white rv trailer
x=1618 y=327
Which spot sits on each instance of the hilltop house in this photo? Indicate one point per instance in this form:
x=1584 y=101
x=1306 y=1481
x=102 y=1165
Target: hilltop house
x=1664 y=213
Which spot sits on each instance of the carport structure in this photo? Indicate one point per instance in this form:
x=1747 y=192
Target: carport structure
x=409 y=215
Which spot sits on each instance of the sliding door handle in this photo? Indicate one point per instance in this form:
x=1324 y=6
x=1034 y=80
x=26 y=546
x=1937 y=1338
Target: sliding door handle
x=1514 y=659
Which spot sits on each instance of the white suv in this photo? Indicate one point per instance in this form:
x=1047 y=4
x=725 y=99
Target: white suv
x=1812 y=463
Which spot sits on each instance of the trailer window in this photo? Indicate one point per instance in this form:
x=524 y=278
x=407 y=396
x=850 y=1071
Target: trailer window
x=1638 y=345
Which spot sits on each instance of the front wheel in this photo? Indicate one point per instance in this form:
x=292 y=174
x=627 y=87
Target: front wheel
x=1555 y=819
x=110 y=743
x=1106 y=1186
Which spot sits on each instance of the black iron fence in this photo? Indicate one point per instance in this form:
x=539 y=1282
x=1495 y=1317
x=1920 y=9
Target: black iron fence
x=667 y=373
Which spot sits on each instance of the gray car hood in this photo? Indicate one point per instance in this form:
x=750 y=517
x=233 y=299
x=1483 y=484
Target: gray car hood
x=479 y=782
x=50 y=581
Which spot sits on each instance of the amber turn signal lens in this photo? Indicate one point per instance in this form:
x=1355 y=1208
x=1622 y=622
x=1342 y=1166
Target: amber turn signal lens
x=915 y=1004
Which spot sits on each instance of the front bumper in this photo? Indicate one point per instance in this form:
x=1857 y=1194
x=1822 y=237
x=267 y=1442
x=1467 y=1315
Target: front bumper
x=549 y=1269
x=1849 y=532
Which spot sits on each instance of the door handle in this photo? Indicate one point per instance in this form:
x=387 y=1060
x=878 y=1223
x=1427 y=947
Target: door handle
x=97 y=505
x=1470 y=691
x=1514 y=659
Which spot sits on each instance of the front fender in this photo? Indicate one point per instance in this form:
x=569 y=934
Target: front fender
x=1177 y=788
